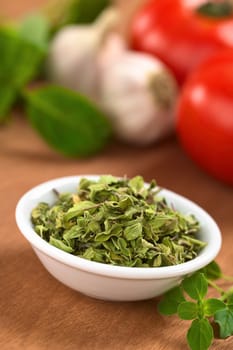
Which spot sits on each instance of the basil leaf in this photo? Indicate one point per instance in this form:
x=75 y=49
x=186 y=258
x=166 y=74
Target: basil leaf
x=196 y=286
x=19 y=63
x=187 y=310
x=225 y=320
x=212 y=305
x=35 y=29
x=200 y=335
x=19 y=58
x=8 y=96
x=67 y=121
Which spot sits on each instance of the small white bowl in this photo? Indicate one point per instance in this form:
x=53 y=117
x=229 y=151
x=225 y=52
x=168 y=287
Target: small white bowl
x=105 y=281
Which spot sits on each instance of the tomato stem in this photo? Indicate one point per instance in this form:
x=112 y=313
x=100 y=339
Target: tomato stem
x=216 y=9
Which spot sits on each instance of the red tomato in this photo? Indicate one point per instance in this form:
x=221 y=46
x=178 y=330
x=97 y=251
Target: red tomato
x=205 y=116
x=183 y=33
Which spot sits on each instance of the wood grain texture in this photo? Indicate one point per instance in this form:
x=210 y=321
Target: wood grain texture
x=39 y=313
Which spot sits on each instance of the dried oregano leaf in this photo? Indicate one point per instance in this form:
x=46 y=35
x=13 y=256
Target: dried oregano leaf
x=120 y=222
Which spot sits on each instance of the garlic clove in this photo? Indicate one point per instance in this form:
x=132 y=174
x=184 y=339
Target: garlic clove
x=72 y=55
x=138 y=93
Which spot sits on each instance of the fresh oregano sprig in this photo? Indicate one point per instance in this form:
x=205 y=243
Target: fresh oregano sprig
x=190 y=302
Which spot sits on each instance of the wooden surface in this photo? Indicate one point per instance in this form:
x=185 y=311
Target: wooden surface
x=39 y=313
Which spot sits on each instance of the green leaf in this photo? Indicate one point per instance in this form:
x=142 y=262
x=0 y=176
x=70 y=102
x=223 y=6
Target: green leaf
x=19 y=63
x=230 y=301
x=133 y=231
x=19 y=59
x=67 y=12
x=196 y=286
x=78 y=209
x=200 y=334
x=80 y=11
x=167 y=307
x=67 y=121
x=35 y=29
x=7 y=97
x=137 y=184
x=94 y=254
x=160 y=220
x=59 y=244
x=108 y=179
x=224 y=318
x=98 y=192
x=212 y=305
x=212 y=271
x=74 y=232
x=215 y=10
x=171 y=300
x=187 y=310
x=86 y=11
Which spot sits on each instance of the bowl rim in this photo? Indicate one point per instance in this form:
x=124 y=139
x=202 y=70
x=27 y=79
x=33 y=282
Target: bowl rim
x=24 y=224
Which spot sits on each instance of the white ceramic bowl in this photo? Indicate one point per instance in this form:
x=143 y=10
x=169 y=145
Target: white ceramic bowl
x=104 y=281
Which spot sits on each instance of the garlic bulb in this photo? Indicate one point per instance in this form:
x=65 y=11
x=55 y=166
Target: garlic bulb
x=72 y=54
x=137 y=91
